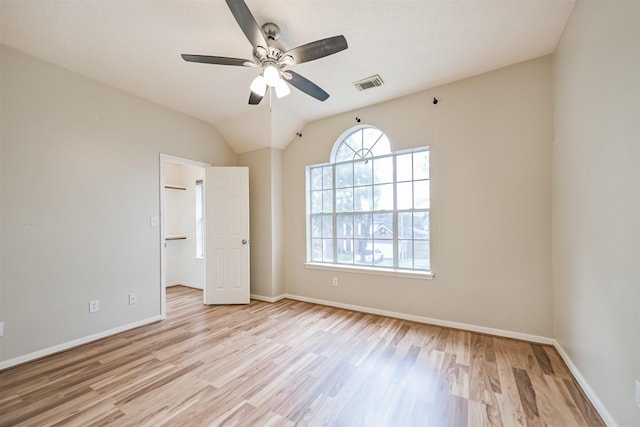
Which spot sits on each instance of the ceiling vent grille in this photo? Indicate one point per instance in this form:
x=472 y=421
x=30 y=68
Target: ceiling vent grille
x=369 y=82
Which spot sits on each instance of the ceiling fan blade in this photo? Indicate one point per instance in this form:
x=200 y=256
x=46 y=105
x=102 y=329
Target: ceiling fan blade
x=317 y=49
x=306 y=86
x=247 y=22
x=219 y=60
x=254 y=98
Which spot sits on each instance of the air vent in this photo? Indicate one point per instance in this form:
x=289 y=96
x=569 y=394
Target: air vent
x=369 y=82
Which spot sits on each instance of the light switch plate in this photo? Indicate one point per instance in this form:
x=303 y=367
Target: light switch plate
x=638 y=393
x=155 y=221
x=2 y=330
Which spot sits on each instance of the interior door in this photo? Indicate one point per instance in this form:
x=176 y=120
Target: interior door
x=227 y=235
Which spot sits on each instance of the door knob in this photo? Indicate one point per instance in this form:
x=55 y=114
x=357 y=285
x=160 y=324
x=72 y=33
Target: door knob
x=245 y=241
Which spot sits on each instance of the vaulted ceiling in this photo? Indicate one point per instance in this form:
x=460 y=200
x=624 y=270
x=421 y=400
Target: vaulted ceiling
x=135 y=45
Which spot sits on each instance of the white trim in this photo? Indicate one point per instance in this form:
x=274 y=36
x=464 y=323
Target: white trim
x=180 y=160
x=267 y=299
x=428 y=320
x=371 y=270
x=591 y=395
x=74 y=343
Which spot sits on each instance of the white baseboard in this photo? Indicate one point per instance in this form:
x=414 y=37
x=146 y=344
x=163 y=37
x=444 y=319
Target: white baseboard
x=74 y=343
x=593 y=397
x=428 y=320
x=186 y=284
x=267 y=299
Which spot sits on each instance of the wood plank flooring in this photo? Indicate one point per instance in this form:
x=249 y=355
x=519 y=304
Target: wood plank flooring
x=293 y=363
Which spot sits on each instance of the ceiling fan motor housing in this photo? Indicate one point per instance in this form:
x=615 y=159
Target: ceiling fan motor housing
x=271 y=30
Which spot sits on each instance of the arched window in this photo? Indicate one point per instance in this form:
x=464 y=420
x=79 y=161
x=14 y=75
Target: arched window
x=359 y=143
x=369 y=207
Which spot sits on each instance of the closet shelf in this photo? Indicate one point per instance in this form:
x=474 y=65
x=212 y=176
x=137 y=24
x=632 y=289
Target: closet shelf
x=175 y=187
x=175 y=238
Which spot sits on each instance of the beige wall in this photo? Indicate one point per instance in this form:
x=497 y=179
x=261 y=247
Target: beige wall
x=596 y=200
x=80 y=173
x=265 y=200
x=490 y=139
x=277 y=226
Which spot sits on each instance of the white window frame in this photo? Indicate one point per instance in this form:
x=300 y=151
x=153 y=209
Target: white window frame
x=395 y=268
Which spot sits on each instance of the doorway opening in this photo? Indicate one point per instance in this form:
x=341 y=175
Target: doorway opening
x=182 y=220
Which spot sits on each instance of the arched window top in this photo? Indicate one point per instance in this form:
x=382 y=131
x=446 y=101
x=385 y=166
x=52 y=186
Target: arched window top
x=359 y=143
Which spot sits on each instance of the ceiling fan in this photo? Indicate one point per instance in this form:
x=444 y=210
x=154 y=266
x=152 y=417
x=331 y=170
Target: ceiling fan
x=273 y=60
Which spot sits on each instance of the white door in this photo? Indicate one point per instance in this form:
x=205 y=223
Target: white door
x=227 y=235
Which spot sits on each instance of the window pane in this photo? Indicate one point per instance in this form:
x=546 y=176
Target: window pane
x=382 y=147
x=405 y=254
x=362 y=172
x=344 y=200
x=362 y=199
x=383 y=253
x=363 y=253
x=327 y=226
x=421 y=194
x=404 y=165
x=405 y=193
x=316 y=249
x=405 y=225
x=327 y=177
x=370 y=137
x=345 y=251
x=383 y=170
x=316 y=201
x=354 y=144
x=199 y=220
x=421 y=255
x=316 y=226
x=344 y=175
x=421 y=225
x=316 y=178
x=362 y=225
x=421 y=165
x=344 y=153
x=344 y=224
x=327 y=253
x=383 y=197
x=383 y=226
x=327 y=201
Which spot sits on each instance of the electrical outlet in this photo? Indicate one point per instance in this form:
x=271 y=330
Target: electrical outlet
x=335 y=281
x=94 y=305
x=133 y=298
x=638 y=393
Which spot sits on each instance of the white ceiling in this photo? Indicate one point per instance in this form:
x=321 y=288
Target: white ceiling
x=135 y=45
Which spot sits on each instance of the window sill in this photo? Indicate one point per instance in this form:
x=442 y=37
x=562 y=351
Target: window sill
x=370 y=270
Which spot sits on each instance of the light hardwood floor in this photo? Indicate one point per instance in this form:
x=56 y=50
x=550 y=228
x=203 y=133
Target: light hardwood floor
x=294 y=363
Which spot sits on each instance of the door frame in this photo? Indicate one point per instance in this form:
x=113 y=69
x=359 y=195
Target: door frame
x=167 y=158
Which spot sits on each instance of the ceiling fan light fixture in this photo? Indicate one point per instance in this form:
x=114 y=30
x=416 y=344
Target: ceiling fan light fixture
x=286 y=60
x=258 y=86
x=271 y=75
x=260 y=53
x=282 y=89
